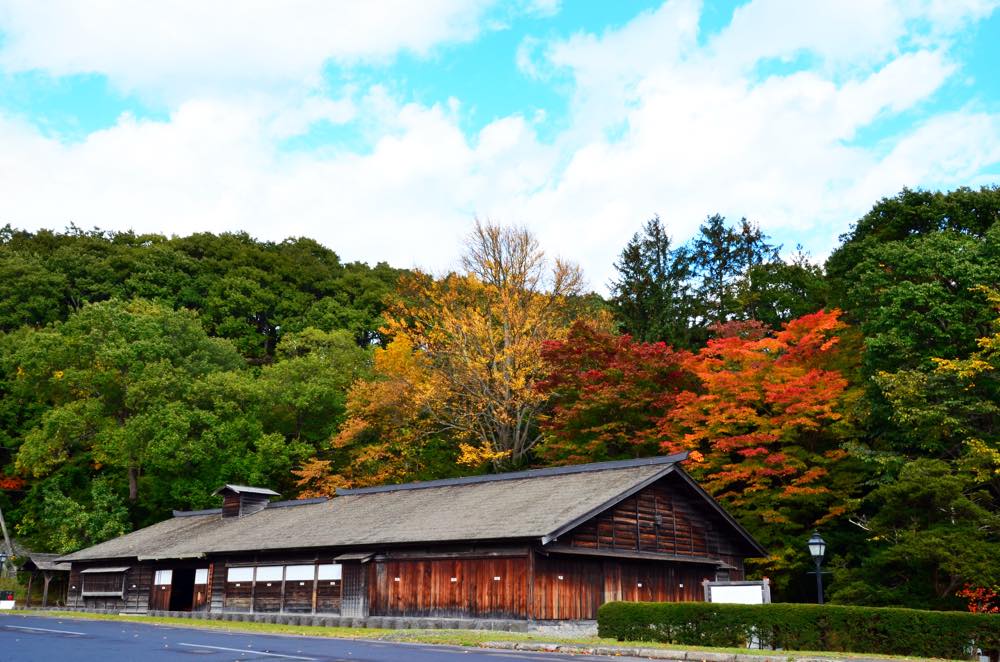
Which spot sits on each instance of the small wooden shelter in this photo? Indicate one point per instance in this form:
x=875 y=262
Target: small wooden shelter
x=50 y=570
x=545 y=544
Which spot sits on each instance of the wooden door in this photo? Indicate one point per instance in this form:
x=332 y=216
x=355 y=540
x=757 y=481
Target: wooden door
x=159 y=597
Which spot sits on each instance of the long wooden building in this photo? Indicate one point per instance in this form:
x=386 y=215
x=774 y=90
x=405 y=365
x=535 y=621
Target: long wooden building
x=547 y=544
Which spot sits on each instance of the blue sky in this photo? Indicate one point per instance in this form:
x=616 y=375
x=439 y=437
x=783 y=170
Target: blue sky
x=384 y=128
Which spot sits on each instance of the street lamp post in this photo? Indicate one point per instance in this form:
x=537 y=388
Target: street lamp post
x=817 y=548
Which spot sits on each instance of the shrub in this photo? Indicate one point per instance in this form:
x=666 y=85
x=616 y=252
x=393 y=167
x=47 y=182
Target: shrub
x=804 y=627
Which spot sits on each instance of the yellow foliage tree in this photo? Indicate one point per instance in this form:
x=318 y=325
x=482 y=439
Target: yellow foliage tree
x=459 y=375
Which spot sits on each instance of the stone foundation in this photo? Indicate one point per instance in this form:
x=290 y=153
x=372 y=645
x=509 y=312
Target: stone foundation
x=560 y=628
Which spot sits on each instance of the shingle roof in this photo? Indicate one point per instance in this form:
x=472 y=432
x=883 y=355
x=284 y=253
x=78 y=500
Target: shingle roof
x=46 y=562
x=521 y=505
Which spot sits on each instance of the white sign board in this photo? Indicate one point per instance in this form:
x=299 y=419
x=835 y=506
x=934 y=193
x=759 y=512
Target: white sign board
x=738 y=593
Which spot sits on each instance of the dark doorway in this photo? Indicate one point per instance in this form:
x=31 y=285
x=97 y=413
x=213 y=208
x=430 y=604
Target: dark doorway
x=182 y=590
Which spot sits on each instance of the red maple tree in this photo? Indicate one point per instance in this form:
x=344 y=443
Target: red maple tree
x=607 y=393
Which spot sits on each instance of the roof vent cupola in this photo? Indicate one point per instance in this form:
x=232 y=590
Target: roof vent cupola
x=240 y=500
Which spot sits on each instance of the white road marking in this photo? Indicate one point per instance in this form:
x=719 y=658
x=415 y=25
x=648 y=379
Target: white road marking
x=250 y=650
x=25 y=627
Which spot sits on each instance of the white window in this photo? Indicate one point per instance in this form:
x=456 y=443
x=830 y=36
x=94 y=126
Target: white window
x=201 y=576
x=269 y=573
x=163 y=577
x=239 y=575
x=329 y=571
x=300 y=572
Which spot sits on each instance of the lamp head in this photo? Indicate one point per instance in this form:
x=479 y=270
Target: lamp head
x=817 y=546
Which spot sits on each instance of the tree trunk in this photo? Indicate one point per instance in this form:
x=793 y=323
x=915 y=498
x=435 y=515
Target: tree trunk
x=9 y=563
x=133 y=484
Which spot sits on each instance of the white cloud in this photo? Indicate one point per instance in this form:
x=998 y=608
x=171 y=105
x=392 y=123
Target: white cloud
x=191 y=47
x=660 y=123
x=214 y=166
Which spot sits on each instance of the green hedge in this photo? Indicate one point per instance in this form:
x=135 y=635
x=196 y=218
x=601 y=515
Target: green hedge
x=803 y=627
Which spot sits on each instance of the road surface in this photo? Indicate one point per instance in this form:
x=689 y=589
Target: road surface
x=42 y=639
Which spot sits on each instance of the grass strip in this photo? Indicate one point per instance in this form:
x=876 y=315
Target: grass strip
x=472 y=638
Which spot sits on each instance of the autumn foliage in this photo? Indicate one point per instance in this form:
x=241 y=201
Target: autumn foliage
x=757 y=408
x=607 y=393
x=763 y=412
x=981 y=599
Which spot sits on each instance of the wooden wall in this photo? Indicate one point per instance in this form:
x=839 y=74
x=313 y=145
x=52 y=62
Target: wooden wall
x=566 y=588
x=453 y=587
x=138 y=582
x=664 y=518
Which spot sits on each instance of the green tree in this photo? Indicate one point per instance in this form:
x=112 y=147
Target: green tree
x=115 y=376
x=724 y=273
x=909 y=275
x=929 y=533
x=61 y=524
x=775 y=293
x=721 y=256
x=29 y=292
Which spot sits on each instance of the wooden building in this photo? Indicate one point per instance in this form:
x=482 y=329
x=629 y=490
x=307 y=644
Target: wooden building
x=546 y=544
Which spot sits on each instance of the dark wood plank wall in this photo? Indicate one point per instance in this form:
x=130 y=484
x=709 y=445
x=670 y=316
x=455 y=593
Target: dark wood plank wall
x=664 y=518
x=355 y=577
x=73 y=598
x=452 y=587
x=135 y=599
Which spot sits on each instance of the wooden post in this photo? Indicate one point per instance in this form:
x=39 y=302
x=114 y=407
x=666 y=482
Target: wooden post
x=46 y=577
x=27 y=599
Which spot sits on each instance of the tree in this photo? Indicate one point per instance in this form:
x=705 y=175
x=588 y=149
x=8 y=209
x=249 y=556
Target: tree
x=676 y=294
x=606 y=394
x=482 y=333
x=651 y=294
x=766 y=426
x=63 y=525
x=909 y=276
x=116 y=376
x=775 y=293
x=390 y=434
x=953 y=410
x=930 y=532
x=29 y=292
x=721 y=256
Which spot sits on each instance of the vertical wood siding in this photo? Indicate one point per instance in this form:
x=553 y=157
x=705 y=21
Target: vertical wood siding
x=566 y=588
x=482 y=587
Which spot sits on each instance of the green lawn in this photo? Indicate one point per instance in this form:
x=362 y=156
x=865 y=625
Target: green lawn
x=447 y=637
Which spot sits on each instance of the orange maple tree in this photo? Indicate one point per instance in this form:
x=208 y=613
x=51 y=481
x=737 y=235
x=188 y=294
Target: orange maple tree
x=763 y=426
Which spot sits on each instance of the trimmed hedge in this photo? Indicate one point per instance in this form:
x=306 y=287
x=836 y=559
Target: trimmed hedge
x=804 y=627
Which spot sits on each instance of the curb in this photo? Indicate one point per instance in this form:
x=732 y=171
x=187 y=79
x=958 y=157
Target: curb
x=667 y=654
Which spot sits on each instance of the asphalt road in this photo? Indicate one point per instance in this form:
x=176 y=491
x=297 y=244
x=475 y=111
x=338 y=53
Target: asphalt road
x=42 y=639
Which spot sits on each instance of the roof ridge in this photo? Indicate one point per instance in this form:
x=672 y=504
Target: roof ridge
x=194 y=513
x=517 y=475
x=288 y=503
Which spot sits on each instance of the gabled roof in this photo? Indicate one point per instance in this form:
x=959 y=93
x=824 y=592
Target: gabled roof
x=526 y=505
x=39 y=561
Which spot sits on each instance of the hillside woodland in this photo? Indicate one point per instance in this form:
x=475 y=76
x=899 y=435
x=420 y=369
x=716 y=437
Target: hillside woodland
x=860 y=397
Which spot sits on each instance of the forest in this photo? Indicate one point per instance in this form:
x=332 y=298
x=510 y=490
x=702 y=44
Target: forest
x=859 y=397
